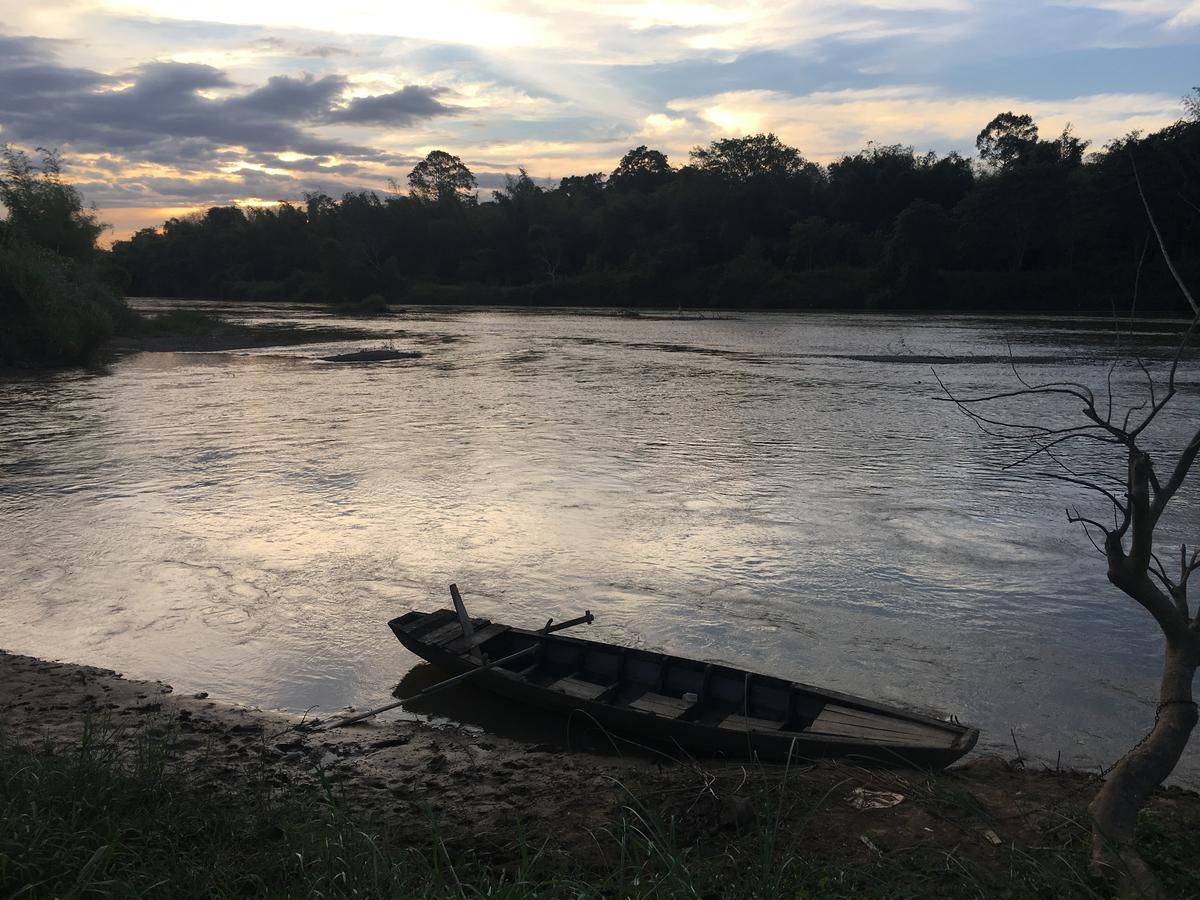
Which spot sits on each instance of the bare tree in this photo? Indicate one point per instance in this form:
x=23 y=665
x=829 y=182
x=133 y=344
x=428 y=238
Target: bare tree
x=1139 y=493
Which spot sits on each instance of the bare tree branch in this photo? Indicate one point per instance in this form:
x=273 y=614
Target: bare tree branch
x=1161 y=574
x=1046 y=448
x=1080 y=391
x=1090 y=485
x=1137 y=502
x=1162 y=244
x=1164 y=494
x=1109 y=390
x=1137 y=283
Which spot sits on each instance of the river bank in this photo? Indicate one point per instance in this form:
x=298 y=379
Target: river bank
x=194 y=331
x=247 y=797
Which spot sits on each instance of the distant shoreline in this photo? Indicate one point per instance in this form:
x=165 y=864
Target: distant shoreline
x=657 y=313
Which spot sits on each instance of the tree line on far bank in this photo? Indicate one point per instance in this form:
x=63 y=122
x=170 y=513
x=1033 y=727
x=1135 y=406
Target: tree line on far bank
x=1031 y=224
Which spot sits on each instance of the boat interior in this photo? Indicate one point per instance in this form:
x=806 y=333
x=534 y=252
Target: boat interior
x=671 y=687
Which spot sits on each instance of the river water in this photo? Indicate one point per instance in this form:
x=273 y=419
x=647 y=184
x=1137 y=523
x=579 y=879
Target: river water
x=781 y=493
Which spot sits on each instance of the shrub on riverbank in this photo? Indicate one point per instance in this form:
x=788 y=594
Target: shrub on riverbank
x=371 y=305
x=53 y=310
x=54 y=306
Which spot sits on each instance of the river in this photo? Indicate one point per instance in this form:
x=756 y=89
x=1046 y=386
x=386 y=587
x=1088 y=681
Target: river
x=782 y=493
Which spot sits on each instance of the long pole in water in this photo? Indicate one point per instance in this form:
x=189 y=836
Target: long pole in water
x=586 y=619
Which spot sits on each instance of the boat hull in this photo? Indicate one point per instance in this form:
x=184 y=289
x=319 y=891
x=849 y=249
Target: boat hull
x=934 y=744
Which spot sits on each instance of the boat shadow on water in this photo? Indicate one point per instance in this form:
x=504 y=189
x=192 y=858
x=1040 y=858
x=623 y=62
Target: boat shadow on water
x=467 y=705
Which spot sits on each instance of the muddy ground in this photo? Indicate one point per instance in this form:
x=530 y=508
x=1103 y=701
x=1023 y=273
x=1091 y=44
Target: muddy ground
x=494 y=796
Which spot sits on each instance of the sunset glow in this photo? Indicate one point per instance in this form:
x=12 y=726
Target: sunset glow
x=157 y=104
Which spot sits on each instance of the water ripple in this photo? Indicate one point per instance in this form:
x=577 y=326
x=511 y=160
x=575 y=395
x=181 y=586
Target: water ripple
x=779 y=493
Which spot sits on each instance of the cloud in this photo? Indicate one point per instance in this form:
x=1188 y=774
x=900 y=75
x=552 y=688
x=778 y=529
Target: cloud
x=323 y=165
x=210 y=190
x=827 y=124
x=305 y=97
x=271 y=98
x=167 y=110
x=158 y=107
x=25 y=49
x=1188 y=15
x=456 y=21
x=401 y=107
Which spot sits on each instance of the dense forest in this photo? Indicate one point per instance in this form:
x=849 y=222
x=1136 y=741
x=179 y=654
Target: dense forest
x=1030 y=223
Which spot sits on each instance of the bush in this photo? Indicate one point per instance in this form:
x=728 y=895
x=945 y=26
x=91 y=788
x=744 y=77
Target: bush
x=372 y=304
x=54 y=310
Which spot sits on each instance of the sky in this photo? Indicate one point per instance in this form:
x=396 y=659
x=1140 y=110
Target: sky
x=161 y=107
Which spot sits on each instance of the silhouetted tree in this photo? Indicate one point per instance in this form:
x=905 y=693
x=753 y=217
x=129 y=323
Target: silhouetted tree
x=441 y=177
x=641 y=169
x=582 y=187
x=874 y=185
x=752 y=156
x=43 y=207
x=1005 y=139
x=1051 y=229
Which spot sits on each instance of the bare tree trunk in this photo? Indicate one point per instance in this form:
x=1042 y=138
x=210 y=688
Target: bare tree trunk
x=1114 y=809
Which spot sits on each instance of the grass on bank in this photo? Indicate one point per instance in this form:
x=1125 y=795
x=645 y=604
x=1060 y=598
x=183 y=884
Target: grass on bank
x=112 y=815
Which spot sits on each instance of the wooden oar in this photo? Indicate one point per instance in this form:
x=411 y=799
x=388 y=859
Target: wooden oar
x=586 y=619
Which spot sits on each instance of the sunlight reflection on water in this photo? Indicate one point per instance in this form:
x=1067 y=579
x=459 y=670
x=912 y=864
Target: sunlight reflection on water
x=780 y=493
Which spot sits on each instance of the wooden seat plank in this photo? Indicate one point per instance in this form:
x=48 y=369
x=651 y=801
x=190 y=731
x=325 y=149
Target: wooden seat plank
x=448 y=632
x=661 y=704
x=463 y=644
x=749 y=723
x=916 y=721
x=872 y=716
x=577 y=687
x=430 y=622
x=872 y=736
x=879 y=723
x=857 y=734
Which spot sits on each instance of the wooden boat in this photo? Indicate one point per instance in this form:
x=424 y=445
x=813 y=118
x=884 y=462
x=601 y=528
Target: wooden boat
x=707 y=709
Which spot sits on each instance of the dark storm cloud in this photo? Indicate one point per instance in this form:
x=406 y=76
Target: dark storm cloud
x=292 y=98
x=402 y=107
x=161 y=112
x=14 y=49
x=43 y=80
x=162 y=116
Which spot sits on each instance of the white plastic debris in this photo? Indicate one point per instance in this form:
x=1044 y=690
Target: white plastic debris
x=863 y=799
